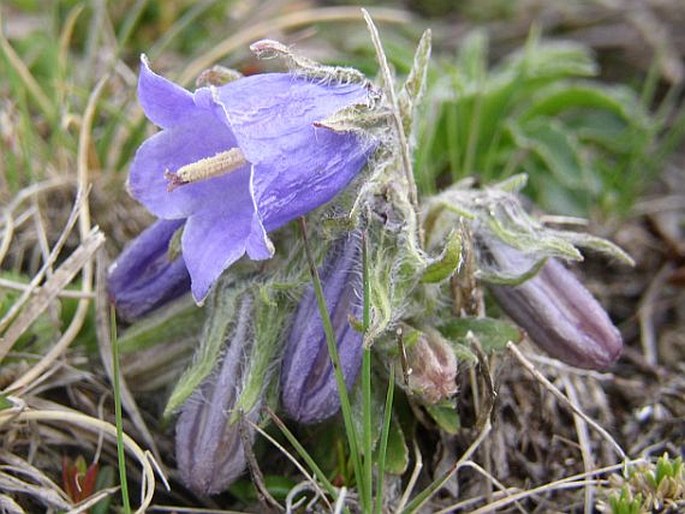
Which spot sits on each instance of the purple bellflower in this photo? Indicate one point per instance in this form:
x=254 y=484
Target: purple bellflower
x=559 y=314
x=145 y=275
x=309 y=391
x=209 y=448
x=240 y=160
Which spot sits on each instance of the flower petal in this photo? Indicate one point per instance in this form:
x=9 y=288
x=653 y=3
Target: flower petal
x=213 y=241
x=201 y=135
x=321 y=162
x=294 y=167
x=259 y=246
x=561 y=316
x=143 y=277
x=164 y=102
x=266 y=122
x=289 y=153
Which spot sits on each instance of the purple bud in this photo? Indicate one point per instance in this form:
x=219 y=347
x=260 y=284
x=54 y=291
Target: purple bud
x=144 y=277
x=209 y=449
x=559 y=314
x=308 y=384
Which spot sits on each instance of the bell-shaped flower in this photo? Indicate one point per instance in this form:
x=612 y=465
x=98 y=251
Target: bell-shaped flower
x=241 y=160
x=309 y=391
x=209 y=448
x=558 y=313
x=146 y=275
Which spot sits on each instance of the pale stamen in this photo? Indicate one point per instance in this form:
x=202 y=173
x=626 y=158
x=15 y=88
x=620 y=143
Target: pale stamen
x=203 y=169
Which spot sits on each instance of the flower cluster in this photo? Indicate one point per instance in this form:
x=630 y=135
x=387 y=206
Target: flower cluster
x=231 y=164
x=236 y=161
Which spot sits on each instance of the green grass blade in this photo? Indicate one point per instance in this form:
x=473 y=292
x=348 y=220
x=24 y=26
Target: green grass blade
x=337 y=367
x=186 y=20
x=366 y=385
x=421 y=498
x=303 y=454
x=130 y=23
x=383 y=448
x=17 y=66
x=117 y=414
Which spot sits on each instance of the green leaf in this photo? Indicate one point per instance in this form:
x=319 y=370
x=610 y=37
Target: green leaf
x=447 y=263
x=563 y=97
x=357 y=404
x=551 y=60
x=414 y=86
x=270 y=314
x=397 y=456
x=493 y=334
x=600 y=245
x=222 y=309
x=180 y=319
x=395 y=266
x=105 y=479
x=509 y=279
x=277 y=485
x=513 y=184
x=558 y=149
x=472 y=59
x=446 y=417
x=5 y=403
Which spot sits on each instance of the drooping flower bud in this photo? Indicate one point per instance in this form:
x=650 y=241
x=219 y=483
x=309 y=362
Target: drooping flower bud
x=432 y=368
x=309 y=391
x=145 y=275
x=559 y=314
x=209 y=448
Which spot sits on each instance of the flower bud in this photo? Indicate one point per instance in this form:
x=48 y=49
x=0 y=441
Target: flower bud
x=209 y=449
x=559 y=314
x=308 y=384
x=145 y=276
x=432 y=368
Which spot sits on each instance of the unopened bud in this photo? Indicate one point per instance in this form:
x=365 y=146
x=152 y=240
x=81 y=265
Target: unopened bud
x=209 y=448
x=432 y=368
x=308 y=384
x=559 y=314
x=145 y=275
